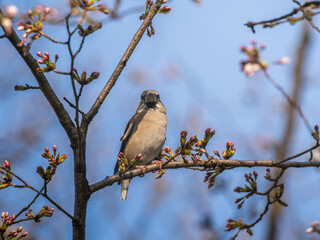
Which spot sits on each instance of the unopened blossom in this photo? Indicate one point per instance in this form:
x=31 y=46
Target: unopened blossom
x=11 y=10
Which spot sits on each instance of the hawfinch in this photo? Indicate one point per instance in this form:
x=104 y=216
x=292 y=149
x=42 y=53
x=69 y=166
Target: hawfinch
x=145 y=133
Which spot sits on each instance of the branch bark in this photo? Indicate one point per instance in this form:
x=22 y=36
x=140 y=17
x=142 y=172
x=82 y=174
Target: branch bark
x=44 y=85
x=108 y=181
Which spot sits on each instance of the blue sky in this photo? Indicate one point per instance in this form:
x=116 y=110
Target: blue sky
x=199 y=45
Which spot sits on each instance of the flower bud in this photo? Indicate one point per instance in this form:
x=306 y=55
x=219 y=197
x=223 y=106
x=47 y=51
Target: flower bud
x=165 y=9
x=11 y=10
x=20 y=28
x=46 y=10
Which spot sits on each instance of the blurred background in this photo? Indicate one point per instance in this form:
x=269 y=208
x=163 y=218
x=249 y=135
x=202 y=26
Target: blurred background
x=193 y=61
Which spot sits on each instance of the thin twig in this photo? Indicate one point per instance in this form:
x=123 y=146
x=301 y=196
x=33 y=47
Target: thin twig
x=72 y=105
x=80 y=47
x=62 y=73
x=29 y=205
x=300 y=154
x=291 y=102
x=44 y=85
x=51 y=39
x=26 y=185
x=307 y=16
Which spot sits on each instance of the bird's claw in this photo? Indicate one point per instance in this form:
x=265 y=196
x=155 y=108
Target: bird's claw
x=159 y=163
x=142 y=168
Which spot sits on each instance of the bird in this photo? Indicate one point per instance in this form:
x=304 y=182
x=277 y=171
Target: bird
x=145 y=133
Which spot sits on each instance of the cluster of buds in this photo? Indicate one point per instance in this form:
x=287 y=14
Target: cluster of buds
x=88 y=5
x=54 y=160
x=15 y=234
x=124 y=164
x=6 y=220
x=250 y=190
x=315 y=134
x=211 y=176
x=201 y=144
x=33 y=26
x=185 y=146
x=45 y=59
x=230 y=150
x=44 y=212
x=233 y=224
x=7 y=176
x=149 y=4
x=100 y=8
x=83 y=79
x=83 y=32
x=314 y=227
x=254 y=63
x=169 y=152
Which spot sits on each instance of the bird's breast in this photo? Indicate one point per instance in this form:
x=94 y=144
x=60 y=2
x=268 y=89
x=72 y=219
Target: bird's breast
x=148 y=136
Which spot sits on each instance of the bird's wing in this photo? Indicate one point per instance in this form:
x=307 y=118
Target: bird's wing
x=127 y=133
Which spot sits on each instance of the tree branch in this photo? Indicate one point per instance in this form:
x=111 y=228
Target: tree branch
x=115 y=75
x=44 y=85
x=108 y=181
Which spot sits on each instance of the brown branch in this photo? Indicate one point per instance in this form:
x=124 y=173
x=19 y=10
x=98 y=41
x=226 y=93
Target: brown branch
x=307 y=15
x=108 y=181
x=44 y=85
x=114 y=77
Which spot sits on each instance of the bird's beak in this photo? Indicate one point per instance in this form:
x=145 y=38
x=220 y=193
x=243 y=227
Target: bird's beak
x=150 y=99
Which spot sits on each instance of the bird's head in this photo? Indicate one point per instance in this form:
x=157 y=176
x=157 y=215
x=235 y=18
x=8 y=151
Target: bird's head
x=150 y=98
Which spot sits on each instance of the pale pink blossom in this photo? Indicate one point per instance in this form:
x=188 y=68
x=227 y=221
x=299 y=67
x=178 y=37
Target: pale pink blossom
x=284 y=60
x=251 y=68
x=11 y=10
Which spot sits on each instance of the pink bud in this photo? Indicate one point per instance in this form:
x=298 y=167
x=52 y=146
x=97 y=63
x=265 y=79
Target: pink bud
x=19 y=229
x=46 y=149
x=20 y=28
x=29 y=31
x=24 y=234
x=25 y=35
x=243 y=48
x=39 y=54
x=46 y=53
x=47 y=10
x=40 y=61
x=6 y=164
x=165 y=9
x=230 y=144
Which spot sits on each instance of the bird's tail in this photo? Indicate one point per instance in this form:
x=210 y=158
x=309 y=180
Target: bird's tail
x=124 y=188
